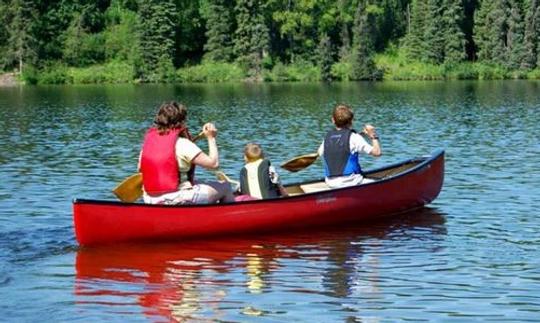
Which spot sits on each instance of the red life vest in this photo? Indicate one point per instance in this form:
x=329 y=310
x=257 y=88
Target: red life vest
x=158 y=162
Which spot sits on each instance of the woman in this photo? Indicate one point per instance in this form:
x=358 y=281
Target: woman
x=168 y=158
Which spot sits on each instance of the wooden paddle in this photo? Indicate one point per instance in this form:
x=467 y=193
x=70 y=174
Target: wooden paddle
x=130 y=189
x=298 y=163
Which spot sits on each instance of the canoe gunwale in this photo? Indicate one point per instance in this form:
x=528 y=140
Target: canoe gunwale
x=423 y=162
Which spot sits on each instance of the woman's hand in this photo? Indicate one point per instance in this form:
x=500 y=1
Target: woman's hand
x=209 y=130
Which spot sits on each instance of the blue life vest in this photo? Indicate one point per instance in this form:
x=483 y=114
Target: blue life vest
x=338 y=159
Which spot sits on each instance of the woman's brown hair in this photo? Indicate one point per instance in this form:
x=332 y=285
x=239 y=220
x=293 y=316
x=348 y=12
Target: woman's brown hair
x=171 y=115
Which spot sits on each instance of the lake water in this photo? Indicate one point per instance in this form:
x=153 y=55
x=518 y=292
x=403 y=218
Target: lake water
x=471 y=255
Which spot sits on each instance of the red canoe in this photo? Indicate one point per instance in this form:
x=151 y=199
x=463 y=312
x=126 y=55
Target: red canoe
x=397 y=188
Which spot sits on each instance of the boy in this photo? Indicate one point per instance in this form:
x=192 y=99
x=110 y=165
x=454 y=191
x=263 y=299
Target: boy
x=258 y=178
x=341 y=147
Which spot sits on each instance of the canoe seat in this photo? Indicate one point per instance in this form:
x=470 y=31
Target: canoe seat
x=314 y=187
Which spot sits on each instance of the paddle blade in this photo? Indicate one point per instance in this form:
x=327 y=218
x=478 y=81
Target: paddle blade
x=300 y=162
x=221 y=176
x=130 y=189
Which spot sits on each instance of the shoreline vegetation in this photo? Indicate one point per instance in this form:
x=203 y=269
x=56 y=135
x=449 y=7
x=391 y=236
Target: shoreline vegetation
x=210 y=41
x=393 y=69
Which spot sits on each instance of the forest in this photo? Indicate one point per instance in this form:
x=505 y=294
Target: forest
x=151 y=41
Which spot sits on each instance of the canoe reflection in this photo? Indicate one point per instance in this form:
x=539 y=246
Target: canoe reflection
x=179 y=281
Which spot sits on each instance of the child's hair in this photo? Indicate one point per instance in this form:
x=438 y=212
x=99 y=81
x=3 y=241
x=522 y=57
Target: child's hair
x=343 y=115
x=253 y=152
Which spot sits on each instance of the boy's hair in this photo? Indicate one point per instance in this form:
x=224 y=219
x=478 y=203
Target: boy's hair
x=253 y=152
x=343 y=115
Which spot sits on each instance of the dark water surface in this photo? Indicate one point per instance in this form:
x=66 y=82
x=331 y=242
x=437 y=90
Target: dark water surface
x=472 y=255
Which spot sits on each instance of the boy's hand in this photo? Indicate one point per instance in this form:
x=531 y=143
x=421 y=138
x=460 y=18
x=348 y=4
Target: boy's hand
x=369 y=130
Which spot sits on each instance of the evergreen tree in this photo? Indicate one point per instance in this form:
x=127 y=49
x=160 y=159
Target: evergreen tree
x=532 y=35
x=499 y=34
x=120 y=35
x=345 y=18
x=21 y=44
x=157 y=38
x=514 y=38
x=363 y=66
x=325 y=57
x=434 y=33
x=414 y=42
x=454 y=37
x=490 y=31
x=251 y=37
x=297 y=21
x=219 y=27
x=4 y=34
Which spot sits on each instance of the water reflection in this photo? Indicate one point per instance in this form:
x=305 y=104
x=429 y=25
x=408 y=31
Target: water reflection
x=221 y=279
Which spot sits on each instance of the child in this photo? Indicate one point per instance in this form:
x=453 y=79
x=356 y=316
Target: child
x=341 y=147
x=258 y=178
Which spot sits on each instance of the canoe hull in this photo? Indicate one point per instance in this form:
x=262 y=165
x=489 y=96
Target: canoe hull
x=99 y=222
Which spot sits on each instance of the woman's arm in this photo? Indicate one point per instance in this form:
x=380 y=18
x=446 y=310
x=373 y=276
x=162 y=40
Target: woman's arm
x=210 y=161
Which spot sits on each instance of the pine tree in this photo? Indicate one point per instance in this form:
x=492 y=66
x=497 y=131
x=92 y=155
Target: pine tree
x=157 y=36
x=325 y=57
x=219 y=28
x=454 y=37
x=514 y=37
x=491 y=30
x=363 y=66
x=344 y=35
x=251 y=38
x=4 y=34
x=21 y=43
x=433 y=33
x=532 y=36
x=414 y=42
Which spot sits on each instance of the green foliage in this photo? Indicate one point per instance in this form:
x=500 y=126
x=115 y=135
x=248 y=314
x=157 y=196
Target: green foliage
x=55 y=73
x=491 y=72
x=363 y=66
x=120 y=35
x=219 y=26
x=80 y=47
x=453 y=35
x=30 y=75
x=21 y=44
x=325 y=58
x=499 y=33
x=461 y=71
x=302 y=71
x=531 y=46
x=210 y=72
x=534 y=74
x=110 y=41
x=251 y=39
x=341 y=71
x=157 y=39
x=414 y=43
x=113 y=72
x=296 y=21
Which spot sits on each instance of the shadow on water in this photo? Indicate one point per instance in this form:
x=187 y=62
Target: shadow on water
x=168 y=280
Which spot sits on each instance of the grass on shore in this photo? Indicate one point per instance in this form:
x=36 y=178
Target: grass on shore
x=393 y=65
